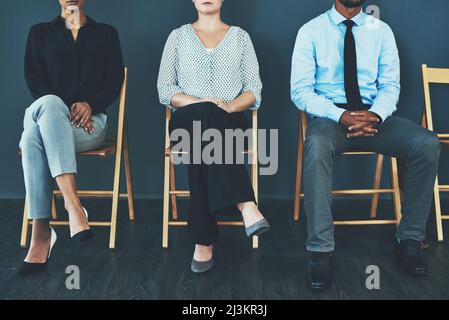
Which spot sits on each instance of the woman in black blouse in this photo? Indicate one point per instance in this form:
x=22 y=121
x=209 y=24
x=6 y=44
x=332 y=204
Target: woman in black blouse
x=74 y=71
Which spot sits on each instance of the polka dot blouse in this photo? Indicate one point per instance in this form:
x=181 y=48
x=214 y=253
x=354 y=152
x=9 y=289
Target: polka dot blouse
x=223 y=73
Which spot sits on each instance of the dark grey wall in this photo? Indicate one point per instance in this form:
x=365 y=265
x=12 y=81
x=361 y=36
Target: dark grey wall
x=421 y=30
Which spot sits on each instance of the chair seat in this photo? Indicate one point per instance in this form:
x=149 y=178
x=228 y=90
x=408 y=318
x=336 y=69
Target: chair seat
x=168 y=152
x=359 y=152
x=107 y=150
x=352 y=152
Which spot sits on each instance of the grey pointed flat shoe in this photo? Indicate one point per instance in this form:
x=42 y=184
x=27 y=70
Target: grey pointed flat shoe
x=258 y=228
x=202 y=267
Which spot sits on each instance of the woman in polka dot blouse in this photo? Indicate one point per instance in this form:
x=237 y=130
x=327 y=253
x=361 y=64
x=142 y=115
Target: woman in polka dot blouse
x=209 y=76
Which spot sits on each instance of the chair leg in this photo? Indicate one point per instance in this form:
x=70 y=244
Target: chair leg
x=298 y=175
x=54 y=212
x=377 y=180
x=128 y=175
x=439 y=220
x=115 y=200
x=166 y=208
x=25 y=227
x=113 y=234
x=173 y=197
x=255 y=168
x=255 y=242
x=396 y=190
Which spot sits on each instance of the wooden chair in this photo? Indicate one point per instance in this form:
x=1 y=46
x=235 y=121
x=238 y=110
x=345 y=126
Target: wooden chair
x=375 y=191
x=171 y=194
x=434 y=76
x=118 y=148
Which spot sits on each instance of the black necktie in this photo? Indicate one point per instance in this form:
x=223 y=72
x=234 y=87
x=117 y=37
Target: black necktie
x=351 y=82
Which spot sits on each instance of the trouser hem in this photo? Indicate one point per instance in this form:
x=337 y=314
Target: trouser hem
x=320 y=249
x=63 y=172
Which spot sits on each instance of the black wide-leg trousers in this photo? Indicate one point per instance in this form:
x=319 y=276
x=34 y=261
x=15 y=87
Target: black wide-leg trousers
x=213 y=187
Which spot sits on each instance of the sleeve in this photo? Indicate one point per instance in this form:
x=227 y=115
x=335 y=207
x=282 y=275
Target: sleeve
x=113 y=77
x=167 y=83
x=388 y=80
x=35 y=71
x=303 y=81
x=250 y=72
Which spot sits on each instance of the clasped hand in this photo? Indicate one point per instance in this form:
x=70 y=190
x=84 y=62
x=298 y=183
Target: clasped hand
x=360 y=123
x=220 y=103
x=81 y=116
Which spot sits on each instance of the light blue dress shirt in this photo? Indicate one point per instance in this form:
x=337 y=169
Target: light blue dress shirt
x=317 y=80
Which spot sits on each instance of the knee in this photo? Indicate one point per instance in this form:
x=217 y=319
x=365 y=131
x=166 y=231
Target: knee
x=207 y=105
x=210 y=108
x=318 y=147
x=30 y=140
x=51 y=103
x=427 y=146
x=209 y=111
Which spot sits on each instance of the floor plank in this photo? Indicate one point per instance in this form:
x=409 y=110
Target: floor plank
x=140 y=269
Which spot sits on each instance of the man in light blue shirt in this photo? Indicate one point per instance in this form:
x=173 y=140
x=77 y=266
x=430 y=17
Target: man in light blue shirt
x=318 y=66
x=346 y=76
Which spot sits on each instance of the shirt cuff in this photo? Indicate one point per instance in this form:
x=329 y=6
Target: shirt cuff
x=166 y=101
x=380 y=112
x=335 y=113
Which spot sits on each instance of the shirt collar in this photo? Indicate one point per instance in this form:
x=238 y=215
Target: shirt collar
x=337 y=18
x=60 y=20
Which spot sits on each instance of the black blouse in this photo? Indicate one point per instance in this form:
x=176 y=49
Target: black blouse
x=87 y=70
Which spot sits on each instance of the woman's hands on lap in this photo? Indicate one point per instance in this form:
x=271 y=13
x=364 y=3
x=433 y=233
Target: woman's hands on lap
x=81 y=116
x=219 y=103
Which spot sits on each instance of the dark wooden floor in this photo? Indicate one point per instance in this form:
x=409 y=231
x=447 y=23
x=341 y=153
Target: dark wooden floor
x=140 y=269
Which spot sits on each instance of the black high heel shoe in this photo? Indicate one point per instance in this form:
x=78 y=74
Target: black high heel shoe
x=27 y=268
x=85 y=235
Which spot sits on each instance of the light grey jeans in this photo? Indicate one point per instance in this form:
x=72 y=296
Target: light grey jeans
x=49 y=145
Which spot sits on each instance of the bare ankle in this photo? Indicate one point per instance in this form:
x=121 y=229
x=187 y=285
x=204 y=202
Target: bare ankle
x=250 y=213
x=203 y=248
x=245 y=206
x=203 y=253
x=41 y=228
x=72 y=206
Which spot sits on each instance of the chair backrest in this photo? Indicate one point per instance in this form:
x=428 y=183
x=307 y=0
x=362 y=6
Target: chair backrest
x=121 y=117
x=432 y=76
x=121 y=110
x=167 y=127
x=303 y=125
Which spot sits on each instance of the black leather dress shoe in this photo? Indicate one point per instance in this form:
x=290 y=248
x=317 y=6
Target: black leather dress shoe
x=319 y=273
x=409 y=255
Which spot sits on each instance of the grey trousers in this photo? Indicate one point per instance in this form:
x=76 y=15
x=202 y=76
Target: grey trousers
x=49 y=145
x=397 y=137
